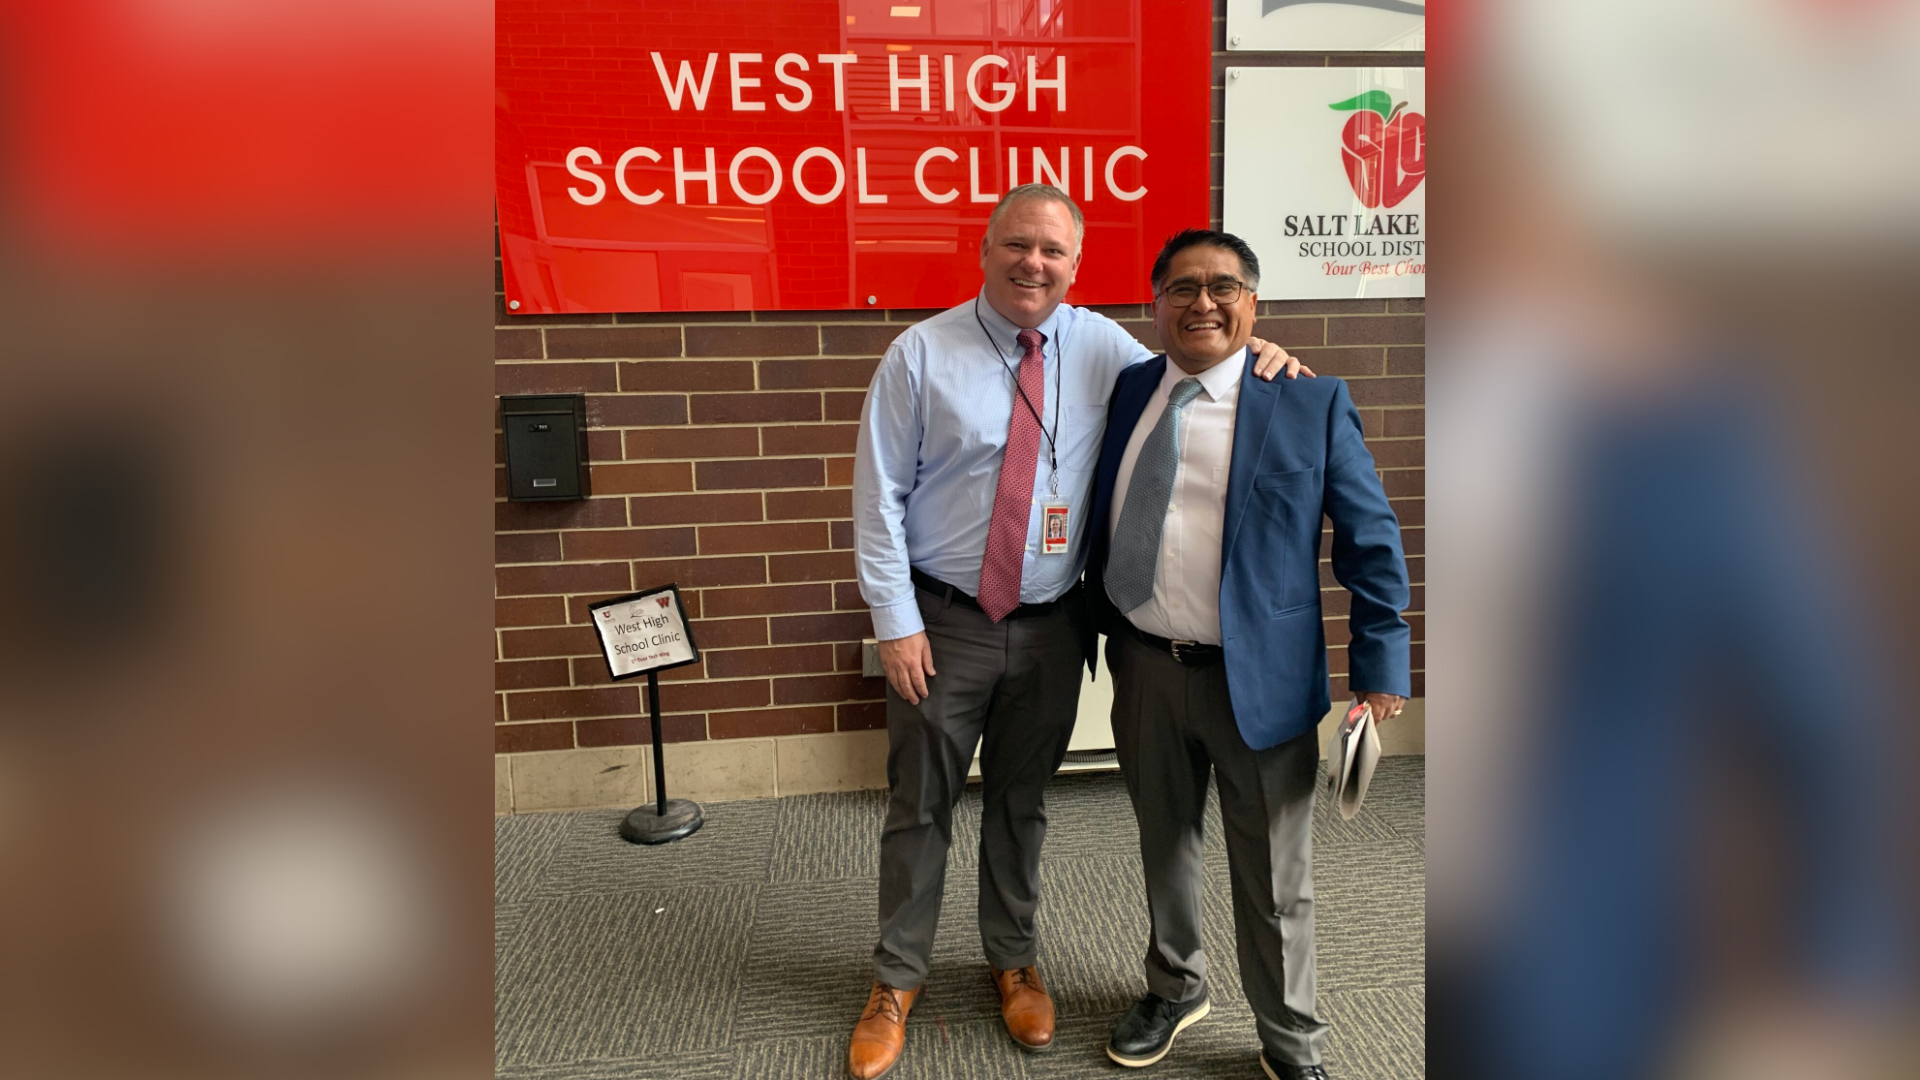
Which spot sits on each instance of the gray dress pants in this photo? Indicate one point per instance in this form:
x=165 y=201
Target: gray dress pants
x=1173 y=725
x=1011 y=689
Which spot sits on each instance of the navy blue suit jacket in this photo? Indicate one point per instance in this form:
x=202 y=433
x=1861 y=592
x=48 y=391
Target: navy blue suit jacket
x=1298 y=454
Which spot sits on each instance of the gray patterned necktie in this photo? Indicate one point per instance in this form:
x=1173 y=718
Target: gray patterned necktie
x=1136 y=540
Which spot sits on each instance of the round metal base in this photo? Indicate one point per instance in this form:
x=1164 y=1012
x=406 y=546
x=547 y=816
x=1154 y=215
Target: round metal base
x=645 y=826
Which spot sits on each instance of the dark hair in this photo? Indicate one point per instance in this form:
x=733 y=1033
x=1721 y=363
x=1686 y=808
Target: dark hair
x=1187 y=238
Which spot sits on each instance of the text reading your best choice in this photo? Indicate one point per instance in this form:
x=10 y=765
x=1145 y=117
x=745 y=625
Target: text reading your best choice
x=818 y=174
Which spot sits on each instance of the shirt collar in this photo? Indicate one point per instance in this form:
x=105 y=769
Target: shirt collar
x=1007 y=336
x=1216 y=380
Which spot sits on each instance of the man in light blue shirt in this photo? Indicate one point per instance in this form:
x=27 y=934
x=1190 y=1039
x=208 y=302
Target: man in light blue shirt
x=972 y=574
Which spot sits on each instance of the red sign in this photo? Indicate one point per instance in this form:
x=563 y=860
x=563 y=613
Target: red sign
x=725 y=155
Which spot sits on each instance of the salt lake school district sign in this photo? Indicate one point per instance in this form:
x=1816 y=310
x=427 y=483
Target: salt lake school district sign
x=1325 y=176
x=681 y=155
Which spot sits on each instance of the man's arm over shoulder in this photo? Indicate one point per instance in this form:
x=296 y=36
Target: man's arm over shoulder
x=886 y=460
x=1367 y=557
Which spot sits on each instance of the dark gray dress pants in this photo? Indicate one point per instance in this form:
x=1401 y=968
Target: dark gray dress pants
x=1011 y=689
x=1173 y=725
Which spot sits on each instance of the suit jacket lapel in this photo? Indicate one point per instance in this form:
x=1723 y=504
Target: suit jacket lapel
x=1253 y=416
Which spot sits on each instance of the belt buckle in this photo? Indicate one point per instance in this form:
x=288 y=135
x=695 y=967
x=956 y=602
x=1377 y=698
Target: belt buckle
x=1174 y=647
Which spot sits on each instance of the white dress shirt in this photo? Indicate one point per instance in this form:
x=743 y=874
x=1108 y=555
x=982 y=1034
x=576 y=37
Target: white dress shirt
x=1186 y=591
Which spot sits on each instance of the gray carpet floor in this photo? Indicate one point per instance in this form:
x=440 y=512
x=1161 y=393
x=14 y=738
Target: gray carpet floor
x=745 y=950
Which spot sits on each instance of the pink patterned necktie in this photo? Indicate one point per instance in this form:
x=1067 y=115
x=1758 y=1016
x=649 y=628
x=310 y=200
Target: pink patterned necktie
x=1013 y=502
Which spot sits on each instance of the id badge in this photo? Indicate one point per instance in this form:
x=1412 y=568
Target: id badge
x=1053 y=529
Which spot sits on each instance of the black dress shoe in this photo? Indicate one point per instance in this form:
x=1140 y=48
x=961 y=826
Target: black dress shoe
x=1145 y=1034
x=1276 y=1071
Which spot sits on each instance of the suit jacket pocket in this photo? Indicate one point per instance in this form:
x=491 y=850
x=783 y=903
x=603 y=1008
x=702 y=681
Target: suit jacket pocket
x=1277 y=480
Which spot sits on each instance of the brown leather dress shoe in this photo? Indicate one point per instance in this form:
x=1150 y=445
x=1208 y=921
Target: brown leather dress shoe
x=1025 y=1006
x=881 y=1032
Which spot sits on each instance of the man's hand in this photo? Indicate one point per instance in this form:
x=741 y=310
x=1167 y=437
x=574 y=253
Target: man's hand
x=909 y=664
x=1385 y=706
x=1270 y=359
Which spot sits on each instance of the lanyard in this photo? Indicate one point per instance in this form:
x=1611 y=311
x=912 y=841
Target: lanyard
x=1059 y=376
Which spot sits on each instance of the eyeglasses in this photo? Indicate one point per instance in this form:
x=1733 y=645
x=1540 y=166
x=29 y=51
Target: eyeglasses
x=1185 y=293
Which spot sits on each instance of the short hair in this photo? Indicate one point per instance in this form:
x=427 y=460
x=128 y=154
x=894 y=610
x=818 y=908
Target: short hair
x=1187 y=238
x=1037 y=191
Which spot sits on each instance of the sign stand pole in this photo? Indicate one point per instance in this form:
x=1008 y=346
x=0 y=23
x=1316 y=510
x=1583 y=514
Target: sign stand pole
x=667 y=819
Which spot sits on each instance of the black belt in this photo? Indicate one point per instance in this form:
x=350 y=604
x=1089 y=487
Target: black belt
x=1190 y=653
x=1025 y=611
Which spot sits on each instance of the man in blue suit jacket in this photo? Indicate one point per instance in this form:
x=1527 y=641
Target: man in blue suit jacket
x=1204 y=573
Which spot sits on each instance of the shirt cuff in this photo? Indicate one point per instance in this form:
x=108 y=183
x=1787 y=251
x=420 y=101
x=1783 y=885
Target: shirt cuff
x=897 y=620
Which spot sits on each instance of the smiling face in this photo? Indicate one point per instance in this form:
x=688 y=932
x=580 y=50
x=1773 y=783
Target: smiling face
x=1203 y=333
x=1028 y=259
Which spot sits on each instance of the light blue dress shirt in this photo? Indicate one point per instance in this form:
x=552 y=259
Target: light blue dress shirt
x=932 y=433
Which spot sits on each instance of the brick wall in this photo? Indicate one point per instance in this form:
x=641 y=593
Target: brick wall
x=722 y=449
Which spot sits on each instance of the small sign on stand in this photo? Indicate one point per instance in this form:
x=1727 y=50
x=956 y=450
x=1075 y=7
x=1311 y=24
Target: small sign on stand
x=645 y=633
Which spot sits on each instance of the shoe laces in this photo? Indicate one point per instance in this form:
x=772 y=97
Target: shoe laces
x=1310 y=1072
x=886 y=1000
x=1025 y=976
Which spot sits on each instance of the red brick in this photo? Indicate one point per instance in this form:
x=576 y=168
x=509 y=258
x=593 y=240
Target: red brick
x=683 y=442
x=592 y=670
x=1410 y=391
x=1413 y=542
x=825 y=503
x=1399 y=453
x=1416 y=569
x=809 y=689
x=755 y=408
x=585 y=514
x=840 y=472
x=568 y=704
x=696 y=509
x=566 y=578
x=529 y=674
x=849 y=656
x=526 y=547
x=864 y=716
x=524 y=738
x=604 y=446
x=1401 y=483
x=763 y=723
x=783 y=660
x=1409 y=360
x=858 y=340
x=636 y=410
x=800 y=374
x=730 y=633
x=768 y=599
x=842 y=626
x=808 y=439
x=516 y=344
x=579 y=607
x=615 y=341
x=1411 y=512
x=1342 y=361
x=751 y=341
x=1356 y=330
x=842 y=406
x=1321 y=307
x=499 y=708
x=552 y=641
x=704 y=573
x=552 y=378
x=630 y=543
x=704 y=696
x=654 y=376
x=1403 y=422
x=821 y=315
x=1370 y=423
x=1287 y=333
x=642 y=477
x=741 y=539
x=530 y=611
x=817 y=566
x=846 y=596
x=1407 y=304
x=842 y=532
x=758 y=475
x=638 y=730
